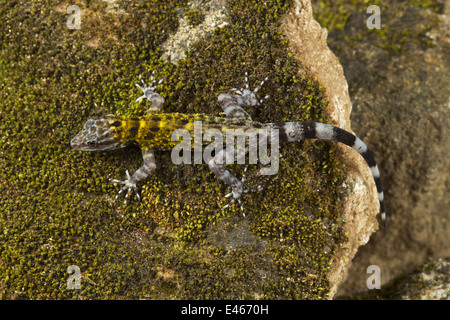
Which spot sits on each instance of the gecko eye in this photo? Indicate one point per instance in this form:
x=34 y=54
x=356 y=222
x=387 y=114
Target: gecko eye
x=92 y=144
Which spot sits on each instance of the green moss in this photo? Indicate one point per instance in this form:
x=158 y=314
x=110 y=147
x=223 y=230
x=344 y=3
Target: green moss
x=194 y=17
x=347 y=21
x=57 y=205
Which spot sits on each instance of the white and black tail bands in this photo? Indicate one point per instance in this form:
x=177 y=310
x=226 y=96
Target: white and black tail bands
x=295 y=131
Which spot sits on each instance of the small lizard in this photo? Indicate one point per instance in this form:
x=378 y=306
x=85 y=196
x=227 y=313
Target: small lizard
x=154 y=131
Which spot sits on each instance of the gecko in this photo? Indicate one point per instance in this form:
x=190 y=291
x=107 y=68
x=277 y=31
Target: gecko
x=153 y=132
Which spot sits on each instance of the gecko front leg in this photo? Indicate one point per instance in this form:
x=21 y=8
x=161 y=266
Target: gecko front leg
x=148 y=154
x=156 y=99
x=142 y=173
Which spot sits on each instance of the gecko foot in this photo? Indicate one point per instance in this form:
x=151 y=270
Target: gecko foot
x=248 y=94
x=128 y=185
x=147 y=89
x=237 y=192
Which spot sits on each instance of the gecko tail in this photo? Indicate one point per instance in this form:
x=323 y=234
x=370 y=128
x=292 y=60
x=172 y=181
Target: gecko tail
x=295 y=131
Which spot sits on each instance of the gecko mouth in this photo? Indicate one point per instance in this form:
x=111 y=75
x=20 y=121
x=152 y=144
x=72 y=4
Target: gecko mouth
x=75 y=143
x=79 y=142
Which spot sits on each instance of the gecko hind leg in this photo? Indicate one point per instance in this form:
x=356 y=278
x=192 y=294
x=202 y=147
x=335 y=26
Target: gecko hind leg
x=243 y=182
x=232 y=104
x=239 y=201
x=248 y=95
x=217 y=165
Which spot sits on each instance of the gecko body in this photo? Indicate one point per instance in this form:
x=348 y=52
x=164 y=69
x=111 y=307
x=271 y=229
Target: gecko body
x=154 y=132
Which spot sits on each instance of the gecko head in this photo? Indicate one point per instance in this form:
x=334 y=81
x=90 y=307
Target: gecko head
x=98 y=134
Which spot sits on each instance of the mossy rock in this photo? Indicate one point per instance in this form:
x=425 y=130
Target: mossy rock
x=194 y=17
x=430 y=281
x=402 y=23
x=57 y=204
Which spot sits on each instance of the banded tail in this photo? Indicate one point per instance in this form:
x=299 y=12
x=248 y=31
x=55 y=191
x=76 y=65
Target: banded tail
x=295 y=131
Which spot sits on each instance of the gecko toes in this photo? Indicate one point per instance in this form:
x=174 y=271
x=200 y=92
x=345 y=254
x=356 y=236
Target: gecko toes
x=128 y=185
x=237 y=192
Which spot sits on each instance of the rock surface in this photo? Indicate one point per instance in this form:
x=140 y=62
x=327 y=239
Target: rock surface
x=430 y=281
x=309 y=42
x=401 y=108
x=187 y=34
x=58 y=207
